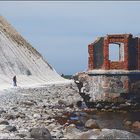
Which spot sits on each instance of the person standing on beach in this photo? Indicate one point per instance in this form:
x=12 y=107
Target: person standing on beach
x=14 y=81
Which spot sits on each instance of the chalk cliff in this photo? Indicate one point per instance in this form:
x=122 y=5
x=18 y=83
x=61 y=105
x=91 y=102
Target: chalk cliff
x=18 y=57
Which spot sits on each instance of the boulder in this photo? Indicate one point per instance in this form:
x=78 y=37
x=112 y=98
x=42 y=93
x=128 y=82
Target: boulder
x=91 y=124
x=116 y=134
x=40 y=133
x=106 y=134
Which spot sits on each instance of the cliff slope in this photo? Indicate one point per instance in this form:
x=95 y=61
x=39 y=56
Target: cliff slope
x=18 y=57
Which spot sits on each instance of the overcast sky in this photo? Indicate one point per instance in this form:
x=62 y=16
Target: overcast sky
x=61 y=31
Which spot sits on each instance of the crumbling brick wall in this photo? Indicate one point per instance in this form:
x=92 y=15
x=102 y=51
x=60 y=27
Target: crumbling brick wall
x=99 y=53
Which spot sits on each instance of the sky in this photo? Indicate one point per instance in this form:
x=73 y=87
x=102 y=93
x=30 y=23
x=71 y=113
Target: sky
x=62 y=30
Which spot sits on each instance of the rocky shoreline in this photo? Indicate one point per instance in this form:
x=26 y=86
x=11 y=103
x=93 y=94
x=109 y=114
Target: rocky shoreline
x=24 y=109
x=32 y=112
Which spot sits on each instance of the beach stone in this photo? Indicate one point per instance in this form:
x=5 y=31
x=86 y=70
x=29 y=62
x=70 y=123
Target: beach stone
x=107 y=107
x=11 y=128
x=127 y=123
x=124 y=106
x=99 y=106
x=51 y=126
x=9 y=116
x=24 y=133
x=27 y=103
x=3 y=122
x=20 y=115
x=91 y=124
x=40 y=133
x=114 y=107
x=69 y=126
x=14 y=108
x=72 y=129
x=37 y=116
x=5 y=136
x=83 y=105
x=57 y=134
x=62 y=102
x=136 y=124
x=79 y=104
x=2 y=111
x=21 y=135
x=2 y=127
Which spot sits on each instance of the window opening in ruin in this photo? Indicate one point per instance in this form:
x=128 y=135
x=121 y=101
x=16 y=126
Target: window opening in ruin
x=116 y=52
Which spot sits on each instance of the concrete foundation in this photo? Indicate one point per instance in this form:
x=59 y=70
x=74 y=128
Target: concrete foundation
x=110 y=85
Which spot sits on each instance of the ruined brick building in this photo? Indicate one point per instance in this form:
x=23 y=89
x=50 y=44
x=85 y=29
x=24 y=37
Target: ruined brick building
x=129 y=53
x=107 y=79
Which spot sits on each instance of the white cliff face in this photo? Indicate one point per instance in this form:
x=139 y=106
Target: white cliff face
x=18 y=57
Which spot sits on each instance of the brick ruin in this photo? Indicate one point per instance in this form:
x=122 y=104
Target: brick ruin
x=107 y=79
x=129 y=53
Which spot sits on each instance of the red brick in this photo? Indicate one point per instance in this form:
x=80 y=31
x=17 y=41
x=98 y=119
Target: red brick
x=107 y=64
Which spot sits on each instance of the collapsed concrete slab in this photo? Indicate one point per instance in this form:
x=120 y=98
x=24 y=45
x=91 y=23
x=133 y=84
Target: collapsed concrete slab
x=111 y=80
